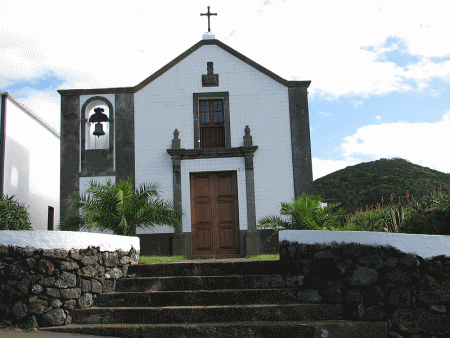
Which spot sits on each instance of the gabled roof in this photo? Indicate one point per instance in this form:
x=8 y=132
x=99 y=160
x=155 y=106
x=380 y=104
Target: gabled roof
x=179 y=59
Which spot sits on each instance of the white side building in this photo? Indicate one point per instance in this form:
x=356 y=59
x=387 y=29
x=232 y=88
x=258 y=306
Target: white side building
x=29 y=162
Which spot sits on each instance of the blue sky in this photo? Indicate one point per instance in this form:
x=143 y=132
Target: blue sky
x=380 y=70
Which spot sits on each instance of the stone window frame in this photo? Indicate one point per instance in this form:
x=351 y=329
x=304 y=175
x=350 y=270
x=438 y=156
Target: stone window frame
x=225 y=96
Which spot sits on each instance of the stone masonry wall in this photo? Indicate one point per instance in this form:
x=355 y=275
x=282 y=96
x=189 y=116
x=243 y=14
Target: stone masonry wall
x=374 y=283
x=39 y=287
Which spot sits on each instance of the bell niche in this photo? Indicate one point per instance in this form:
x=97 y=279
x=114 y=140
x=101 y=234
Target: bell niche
x=97 y=125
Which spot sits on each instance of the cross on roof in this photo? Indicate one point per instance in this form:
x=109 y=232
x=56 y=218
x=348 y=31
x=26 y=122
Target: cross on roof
x=208 y=15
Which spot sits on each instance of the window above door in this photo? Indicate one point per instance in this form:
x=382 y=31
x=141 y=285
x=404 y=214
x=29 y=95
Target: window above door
x=212 y=130
x=211 y=120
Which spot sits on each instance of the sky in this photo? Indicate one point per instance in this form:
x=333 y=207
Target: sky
x=380 y=70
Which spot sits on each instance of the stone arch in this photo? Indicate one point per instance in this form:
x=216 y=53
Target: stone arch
x=89 y=141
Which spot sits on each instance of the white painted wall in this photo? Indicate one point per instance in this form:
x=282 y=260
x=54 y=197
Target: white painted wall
x=425 y=246
x=256 y=100
x=67 y=240
x=31 y=164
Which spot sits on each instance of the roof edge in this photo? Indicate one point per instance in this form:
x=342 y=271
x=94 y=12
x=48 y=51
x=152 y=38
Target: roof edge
x=93 y=91
x=180 y=58
x=31 y=113
x=257 y=66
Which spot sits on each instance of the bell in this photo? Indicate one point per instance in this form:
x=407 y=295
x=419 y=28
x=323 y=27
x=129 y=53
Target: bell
x=98 y=131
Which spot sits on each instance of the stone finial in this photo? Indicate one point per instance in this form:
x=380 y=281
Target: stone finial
x=176 y=142
x=248 y=140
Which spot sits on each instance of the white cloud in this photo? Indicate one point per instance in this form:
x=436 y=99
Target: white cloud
x=356 y=104
x=121 y=46
x=339 y=66
x=323 y=167
x=21 y=57
x=378 y=117
x=417 y=142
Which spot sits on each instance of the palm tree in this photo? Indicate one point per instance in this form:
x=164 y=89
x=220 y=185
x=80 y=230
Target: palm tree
x=305 y=213
x=119 y=208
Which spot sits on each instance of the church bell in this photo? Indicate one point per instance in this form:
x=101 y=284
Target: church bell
x=97 y=118
x=98 y=131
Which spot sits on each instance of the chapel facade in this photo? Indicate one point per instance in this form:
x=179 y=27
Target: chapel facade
x=226 y=139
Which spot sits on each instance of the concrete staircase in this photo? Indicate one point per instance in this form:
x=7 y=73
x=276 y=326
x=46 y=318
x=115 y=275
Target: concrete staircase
x=226 y=298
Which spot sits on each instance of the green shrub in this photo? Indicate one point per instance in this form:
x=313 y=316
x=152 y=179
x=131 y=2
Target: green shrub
x=305 y=213
x=72 y=222
x=374 y=219
x=428 y=215
x=13 y=215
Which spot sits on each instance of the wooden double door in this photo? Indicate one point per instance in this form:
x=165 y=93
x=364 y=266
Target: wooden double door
x=214 y=214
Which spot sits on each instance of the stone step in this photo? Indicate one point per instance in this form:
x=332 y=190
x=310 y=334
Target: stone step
x=202 y=314
x=206 y=268
x=267 y=329
x=207 y=297
x=142 y=284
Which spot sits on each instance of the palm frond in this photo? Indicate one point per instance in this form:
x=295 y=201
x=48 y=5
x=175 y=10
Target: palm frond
x=158 y=212
x=119 y=208
x=72 y=222
x=304 y=213
x=274 y=222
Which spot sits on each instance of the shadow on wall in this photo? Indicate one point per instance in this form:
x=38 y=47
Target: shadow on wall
x=17 y=171
x=17 y=183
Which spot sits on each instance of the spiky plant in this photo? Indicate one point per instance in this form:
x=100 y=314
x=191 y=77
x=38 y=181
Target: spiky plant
x=119 y=208
x=305 y=213
x=13 y=214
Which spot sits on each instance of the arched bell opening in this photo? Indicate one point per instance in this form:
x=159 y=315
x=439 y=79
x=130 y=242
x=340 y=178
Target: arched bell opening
x=97 y=125
x=97 y=137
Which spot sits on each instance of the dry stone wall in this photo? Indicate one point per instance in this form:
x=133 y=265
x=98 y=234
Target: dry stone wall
x=39 y=287
x=374 y=283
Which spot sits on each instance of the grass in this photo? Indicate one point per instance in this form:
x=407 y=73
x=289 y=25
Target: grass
x=266 y=257
x=163 y=259
x=160 y=259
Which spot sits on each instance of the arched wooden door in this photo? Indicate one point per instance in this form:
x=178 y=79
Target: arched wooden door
x=214 y=214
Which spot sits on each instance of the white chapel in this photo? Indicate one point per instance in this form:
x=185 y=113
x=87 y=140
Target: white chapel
x=226 y=139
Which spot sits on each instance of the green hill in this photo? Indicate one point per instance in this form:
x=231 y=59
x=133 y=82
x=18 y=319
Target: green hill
x=366 y=183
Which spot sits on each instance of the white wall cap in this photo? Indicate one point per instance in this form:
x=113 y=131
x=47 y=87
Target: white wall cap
x=425 y=246
x=208 y=36
x=67 y=240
